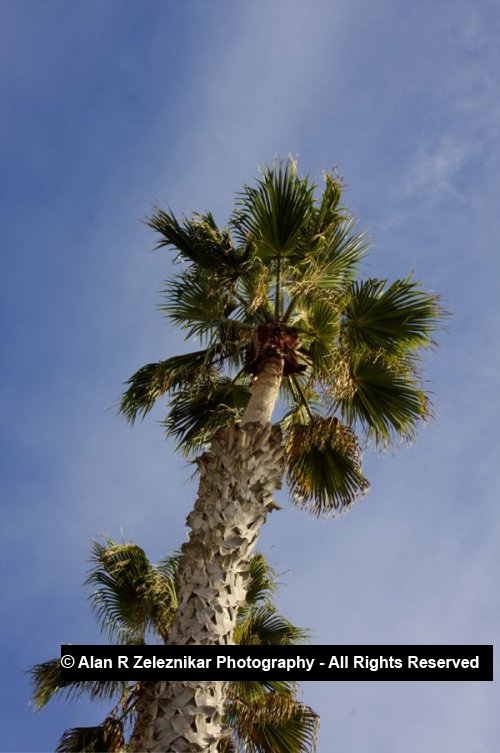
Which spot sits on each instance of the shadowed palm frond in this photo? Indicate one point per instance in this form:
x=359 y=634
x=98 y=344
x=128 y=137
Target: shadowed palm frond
x=197 y=413
x=47 y=683
x=382 y=394
x=106 y=738
x=274 y=723
x=130 y=595
x=324 y=465
x=156 y=379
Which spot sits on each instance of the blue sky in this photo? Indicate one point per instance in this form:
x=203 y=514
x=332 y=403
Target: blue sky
x=107 y=107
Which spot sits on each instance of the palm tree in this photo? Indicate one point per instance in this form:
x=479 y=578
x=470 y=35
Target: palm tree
x=135 y=601
x=275 y=302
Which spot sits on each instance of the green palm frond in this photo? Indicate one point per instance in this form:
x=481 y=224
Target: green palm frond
x=274 y=723
x=329 y=213
x=197 y=413
x=275 y=213
x=108 y=737
x=47 y=683
x=156 y=379
x=324 y=465
x=386 y=318
x=197 y=302
x=326 y=271
x=264 y=626
x=130 y=596
x=198 y=240
x=320 y=324
x=262 y=580
x=382 y=394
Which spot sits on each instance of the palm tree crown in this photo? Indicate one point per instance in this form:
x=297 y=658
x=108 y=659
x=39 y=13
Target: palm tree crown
x=279 y=284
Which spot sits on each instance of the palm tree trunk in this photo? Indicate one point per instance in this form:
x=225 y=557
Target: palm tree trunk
x=238 y=476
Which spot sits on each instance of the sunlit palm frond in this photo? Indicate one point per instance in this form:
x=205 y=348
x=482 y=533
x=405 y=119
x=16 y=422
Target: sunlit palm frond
x=384 y=395
x=319 y=331
x=329 y=212
x=198 y=412
x=108 y=737
x=324 y=465
x=326 y=271
x=274 y=723
x=47 y=683
x=384 y=318
x=129 y=595
x=275 y=213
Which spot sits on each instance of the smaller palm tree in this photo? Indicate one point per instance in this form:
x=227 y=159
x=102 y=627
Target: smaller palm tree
x=135 y=602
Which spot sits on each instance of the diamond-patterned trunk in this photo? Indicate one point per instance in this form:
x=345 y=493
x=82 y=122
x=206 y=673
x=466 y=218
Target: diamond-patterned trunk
x=238 y=476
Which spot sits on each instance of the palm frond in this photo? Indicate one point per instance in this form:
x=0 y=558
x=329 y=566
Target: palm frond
x=384 y=318
x=129 y=595
x=382 y=394
x=324 y=465
x=47 y=683
x=264 y=626
x=197 y=301
x=197 y=413
x=321 y=326
x=274 y=723
x=108 y=737
x=276 y=213
x=198 y=240
x=156 y=379
x=329 y=213
x=324 y=273
x=262 y=580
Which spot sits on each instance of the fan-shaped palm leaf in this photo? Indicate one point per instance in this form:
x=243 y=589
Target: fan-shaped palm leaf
x=384 y=395
x=324 y=465
x=386 y=318
x=273 y=214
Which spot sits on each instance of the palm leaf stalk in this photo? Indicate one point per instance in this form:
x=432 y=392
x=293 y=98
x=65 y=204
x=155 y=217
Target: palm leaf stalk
x=134 y=600
x=284 y=320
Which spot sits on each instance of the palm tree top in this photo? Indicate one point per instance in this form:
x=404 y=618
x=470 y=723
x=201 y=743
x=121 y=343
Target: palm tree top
x=281 y=280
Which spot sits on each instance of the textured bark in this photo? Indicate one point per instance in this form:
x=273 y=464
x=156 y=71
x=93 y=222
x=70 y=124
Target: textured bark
x=237 y=479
